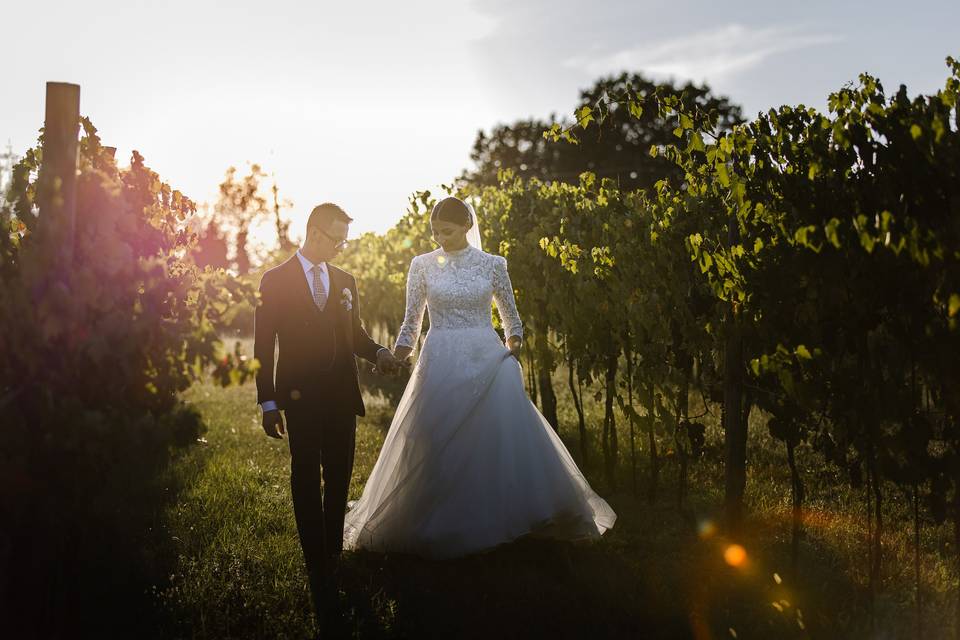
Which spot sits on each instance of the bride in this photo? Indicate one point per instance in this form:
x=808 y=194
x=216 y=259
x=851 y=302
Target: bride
x=469 y=462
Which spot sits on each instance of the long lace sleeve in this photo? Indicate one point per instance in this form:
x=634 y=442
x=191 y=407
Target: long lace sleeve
x=416 y=303
x=503 y=296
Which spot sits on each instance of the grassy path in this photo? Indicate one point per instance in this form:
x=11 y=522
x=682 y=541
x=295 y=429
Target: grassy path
x=658 y=573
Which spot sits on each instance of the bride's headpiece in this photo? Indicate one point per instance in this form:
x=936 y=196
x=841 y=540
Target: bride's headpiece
x=455 y=210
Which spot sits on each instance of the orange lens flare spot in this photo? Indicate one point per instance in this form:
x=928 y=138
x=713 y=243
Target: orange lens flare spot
x=735 y=555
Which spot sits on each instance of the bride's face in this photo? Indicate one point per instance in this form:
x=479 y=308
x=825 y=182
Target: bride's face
x=449 y=235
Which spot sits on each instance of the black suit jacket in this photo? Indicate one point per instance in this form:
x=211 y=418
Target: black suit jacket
x=316 y=366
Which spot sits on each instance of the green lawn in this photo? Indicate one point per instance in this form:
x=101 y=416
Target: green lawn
x=659 y=573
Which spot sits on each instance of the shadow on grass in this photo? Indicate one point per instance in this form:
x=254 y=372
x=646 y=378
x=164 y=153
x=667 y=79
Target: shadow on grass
x=88 y=554
x=529 y=588
x=660 y=572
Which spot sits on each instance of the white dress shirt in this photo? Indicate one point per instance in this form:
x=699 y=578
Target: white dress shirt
x=308 y=273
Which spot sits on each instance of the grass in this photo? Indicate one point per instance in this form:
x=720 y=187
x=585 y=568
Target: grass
x=661 y=572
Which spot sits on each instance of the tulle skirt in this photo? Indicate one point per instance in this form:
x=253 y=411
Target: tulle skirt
x=469 y=462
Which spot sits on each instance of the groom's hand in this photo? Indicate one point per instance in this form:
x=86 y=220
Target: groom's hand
x=273 y=424
x=387 y=363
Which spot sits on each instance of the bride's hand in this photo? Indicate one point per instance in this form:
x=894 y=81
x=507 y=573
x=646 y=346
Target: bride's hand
x=402 y=354
x=514 y=343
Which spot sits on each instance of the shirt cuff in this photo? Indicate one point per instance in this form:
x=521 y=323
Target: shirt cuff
x=268 y=405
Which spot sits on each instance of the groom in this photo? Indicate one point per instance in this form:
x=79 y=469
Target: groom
x=312 y=309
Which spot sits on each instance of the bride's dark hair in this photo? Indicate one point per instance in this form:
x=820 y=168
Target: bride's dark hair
x=452 y=210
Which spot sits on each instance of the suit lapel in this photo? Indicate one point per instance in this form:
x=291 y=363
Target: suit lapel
x=298 y=283
x=336 y=289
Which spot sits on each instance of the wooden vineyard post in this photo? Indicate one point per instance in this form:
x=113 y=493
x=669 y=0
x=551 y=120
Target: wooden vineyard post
x=734 y=425
x=58 y=173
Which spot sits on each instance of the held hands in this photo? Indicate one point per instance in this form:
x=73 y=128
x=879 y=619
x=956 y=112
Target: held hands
x=392 y=363
x=402 y=354
x=387 y=363
x=273 y=424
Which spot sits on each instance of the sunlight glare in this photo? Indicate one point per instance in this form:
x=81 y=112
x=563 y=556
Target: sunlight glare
x=735 y=555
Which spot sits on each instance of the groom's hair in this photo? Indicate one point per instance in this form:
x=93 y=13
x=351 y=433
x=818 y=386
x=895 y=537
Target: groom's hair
x=323 y=214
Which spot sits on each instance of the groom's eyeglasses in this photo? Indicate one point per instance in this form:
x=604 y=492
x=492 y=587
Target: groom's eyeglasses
x=338 y=243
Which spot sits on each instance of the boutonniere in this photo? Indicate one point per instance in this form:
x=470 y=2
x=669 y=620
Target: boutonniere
x=346 y=299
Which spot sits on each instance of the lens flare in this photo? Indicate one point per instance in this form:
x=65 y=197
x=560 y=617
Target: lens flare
x=706 y=529
x=735 y=555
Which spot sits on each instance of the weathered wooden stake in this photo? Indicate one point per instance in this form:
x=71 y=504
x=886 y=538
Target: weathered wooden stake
x=734 y=421
x=58 y=173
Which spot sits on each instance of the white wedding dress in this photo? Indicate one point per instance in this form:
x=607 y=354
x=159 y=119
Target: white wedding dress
x=469 y=462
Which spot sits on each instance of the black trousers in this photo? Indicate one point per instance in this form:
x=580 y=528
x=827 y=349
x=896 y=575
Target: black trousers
x=321 y=446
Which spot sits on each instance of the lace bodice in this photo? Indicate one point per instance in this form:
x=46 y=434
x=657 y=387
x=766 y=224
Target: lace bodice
x=458 y=287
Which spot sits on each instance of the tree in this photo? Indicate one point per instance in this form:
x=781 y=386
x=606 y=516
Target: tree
x=211 y=248
x=240 y=204
x=8 y=159
x=284 y=244
x=618 y=149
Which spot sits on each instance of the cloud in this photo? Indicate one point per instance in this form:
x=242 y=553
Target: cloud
x=716 y=54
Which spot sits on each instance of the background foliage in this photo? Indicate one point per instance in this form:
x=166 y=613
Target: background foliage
x=95 y=353
x=802 y=264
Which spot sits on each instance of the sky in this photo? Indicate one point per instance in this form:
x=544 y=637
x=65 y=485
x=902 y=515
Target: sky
x=364 y=103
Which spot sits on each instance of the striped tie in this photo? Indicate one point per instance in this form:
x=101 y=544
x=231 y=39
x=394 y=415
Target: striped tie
x=319 y=293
